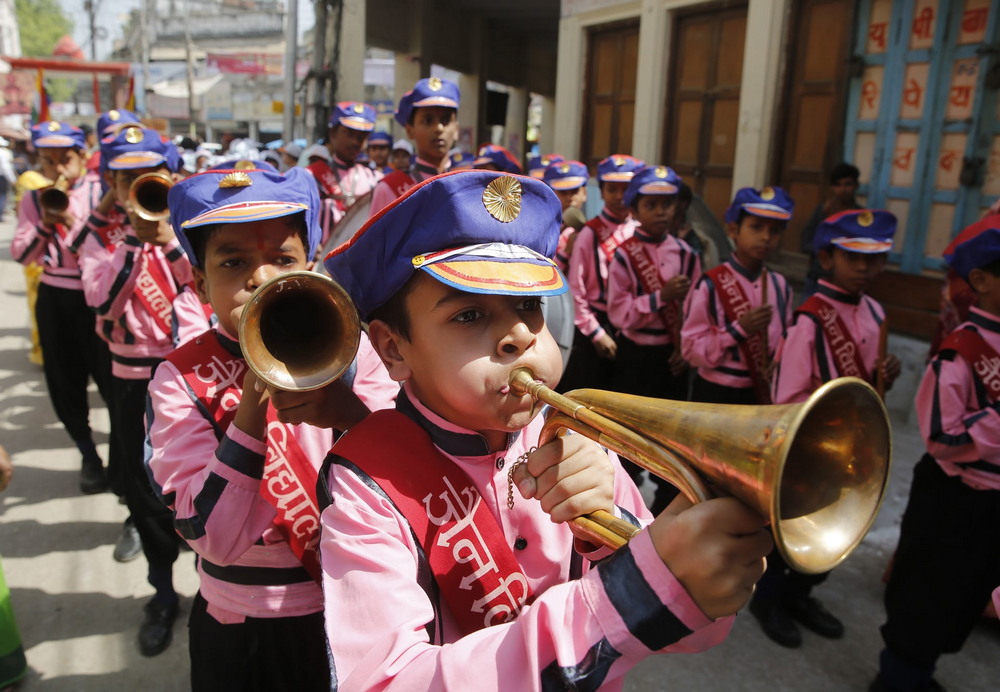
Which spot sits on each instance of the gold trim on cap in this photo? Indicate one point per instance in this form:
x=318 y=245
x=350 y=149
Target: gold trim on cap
x=237 y=179
x=133 y=135
x=866 y=218
x=502 y=198
x=418 y=260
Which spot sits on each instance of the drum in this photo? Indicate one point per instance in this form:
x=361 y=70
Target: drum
x=349 y=224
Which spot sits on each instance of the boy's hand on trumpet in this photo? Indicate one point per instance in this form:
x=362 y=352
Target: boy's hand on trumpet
x=570 y=476
x=715 y=549
x=334 y=406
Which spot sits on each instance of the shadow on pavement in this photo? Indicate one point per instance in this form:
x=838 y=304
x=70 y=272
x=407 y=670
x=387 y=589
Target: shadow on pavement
x=32 y=539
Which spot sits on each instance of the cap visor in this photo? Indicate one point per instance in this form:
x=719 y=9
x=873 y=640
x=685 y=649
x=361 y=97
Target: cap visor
x=537 y=173
x=358 y=124
x=616 y=177
x=768 y=211
x=570 y=183
x=496 y=268
x=866 y=246
x=136 y=159
x=55 y=141
x=244 y=212
x=658 y=188
x=435 y=101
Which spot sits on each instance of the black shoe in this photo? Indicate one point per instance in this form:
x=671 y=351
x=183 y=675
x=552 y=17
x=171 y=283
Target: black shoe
x=931 y=685
x=811 y=613
x=129 y=545
x=92 y=478
x=157 y=627
x=776 y=623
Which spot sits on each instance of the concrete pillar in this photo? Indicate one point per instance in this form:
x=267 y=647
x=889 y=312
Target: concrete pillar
x=468 y=112
x=351 y=49
x=651 y=81
x=547 y=131
x=570 y=73
x=516 y=125
x=759 y=91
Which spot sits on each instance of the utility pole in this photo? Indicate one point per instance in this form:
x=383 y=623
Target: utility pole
x=291 y=53
x=189 y=58
x=144 y=49
x=318 y=82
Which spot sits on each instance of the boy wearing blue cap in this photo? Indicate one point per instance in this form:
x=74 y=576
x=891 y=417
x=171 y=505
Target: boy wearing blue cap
x=738 y=312
x=647 y=282
x=343 y=180
x=72 y=351
x=429 y=112
x=591 y=362
x=837 y=332
x=133 y=268
x=236 y=463
x=493 y=157
x=946 y=562
x=379 y=147
x=568 y=179
x=430 y=564
x=538 y=164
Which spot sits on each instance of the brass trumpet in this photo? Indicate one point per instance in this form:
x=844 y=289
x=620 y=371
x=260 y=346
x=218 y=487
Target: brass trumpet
x=299 y=331
x=53 y=199
x=148 y=195
x=817 y=470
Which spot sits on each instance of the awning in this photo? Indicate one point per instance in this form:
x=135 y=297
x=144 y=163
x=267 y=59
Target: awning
x=177 y=88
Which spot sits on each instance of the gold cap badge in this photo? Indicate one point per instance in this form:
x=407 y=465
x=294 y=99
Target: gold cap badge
x=564 y=168
x=767 y=194
x=502 y=198
x=133 y=135
x=660 y=172
x=359 y=108
x=434 y=84
x=54 y=126
x=619 y=161
x=237 y=179
x=114 y=115
x=866 y=218
x=245 y=165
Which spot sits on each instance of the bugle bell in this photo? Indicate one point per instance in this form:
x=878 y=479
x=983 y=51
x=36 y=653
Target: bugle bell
x=53 y=199
x=816 y=470
x=299 y=331
x=148 y=195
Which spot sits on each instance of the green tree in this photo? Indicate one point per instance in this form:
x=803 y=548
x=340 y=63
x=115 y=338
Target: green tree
x=42 y=23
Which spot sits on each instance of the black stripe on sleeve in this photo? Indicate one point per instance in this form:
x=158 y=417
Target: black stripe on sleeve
x=587 y=675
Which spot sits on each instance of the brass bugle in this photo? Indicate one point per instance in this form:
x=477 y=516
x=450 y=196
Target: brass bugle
x=148 y=195
x=299 y=331
x=817 y=470
x=53 y=199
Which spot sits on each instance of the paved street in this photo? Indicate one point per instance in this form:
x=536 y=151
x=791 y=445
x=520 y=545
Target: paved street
x=78 y=610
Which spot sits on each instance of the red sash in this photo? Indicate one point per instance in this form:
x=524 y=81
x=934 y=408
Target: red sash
x=399 y=182
x=155 y=289
x=605 y=234
x=289 y=483
x=112 y=233
x=981 y=357
x=846 y=355
x=651 y=282
x=736 y=304
x=329 y=185
x=472 y=563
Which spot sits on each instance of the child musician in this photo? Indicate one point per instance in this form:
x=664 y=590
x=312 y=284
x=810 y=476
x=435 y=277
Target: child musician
x=431 y=566
x=738 y=312
x=947 y=563
x=836 y=334
x=568 y=179
x=133 y=268
x=233 y=463
x=591 y=362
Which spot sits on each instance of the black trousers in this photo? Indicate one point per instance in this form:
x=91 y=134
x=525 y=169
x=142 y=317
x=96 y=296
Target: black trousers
x=258 y=654
x=153 y=520
x=947 y=565
x=711 y=393
x=585 y=368
x=73 y=354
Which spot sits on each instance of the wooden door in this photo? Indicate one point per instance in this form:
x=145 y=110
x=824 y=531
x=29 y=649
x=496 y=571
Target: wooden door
x=703 y=102
x=609 y=101
x=811 y=125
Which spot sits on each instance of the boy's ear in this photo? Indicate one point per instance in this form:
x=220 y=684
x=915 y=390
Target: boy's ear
x=109 y=178
x=386 y=343
x=978 y=279
x=200 y=284
x=825 y=258
x=409 y=132
x=732 y=229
